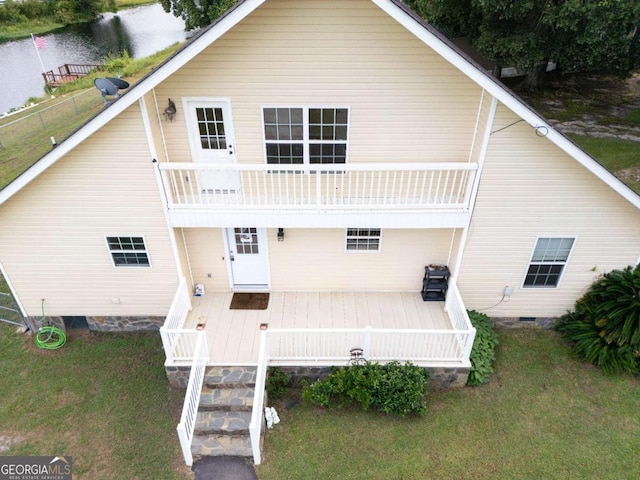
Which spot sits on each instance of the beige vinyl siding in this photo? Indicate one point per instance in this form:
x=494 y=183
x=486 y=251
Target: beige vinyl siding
x=406 y=102
x=206 y=255
x=530 y=189
x=316 y=260
x=52 y=232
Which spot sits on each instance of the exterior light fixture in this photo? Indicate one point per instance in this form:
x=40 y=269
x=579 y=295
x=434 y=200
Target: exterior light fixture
x=281 y=234
x=170 y=111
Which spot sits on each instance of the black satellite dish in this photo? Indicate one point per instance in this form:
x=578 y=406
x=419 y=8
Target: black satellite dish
x=106 y=88
x=118 y=82
x=109 y=87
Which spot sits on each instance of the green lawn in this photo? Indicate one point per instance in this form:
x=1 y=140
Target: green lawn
x=620 y=157
x=544 y=415
x=104 y=400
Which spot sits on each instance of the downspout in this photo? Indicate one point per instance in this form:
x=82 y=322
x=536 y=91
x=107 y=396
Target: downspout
x=154 y=154
x=476 y=185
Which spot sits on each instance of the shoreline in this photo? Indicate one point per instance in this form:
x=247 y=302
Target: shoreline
x=25 y=30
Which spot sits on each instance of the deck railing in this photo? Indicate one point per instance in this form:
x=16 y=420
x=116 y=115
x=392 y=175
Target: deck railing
x=257 y=413
x=454 y=306
x=179 y=343
x=288 y=346
x=187 y=424
x=388 y=186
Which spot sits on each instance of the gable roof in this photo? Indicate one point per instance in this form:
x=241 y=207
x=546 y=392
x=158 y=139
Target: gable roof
x=395 y=9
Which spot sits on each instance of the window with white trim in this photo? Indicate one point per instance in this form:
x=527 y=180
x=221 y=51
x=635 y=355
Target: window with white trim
x=128 y=251
x=363 y=239
x=304 y=135
x=548 y=261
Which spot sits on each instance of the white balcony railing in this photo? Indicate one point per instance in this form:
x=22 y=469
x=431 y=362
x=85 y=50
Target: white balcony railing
x=179 y=343
x=348 y=187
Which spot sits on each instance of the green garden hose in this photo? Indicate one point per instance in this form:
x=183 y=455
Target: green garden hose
x=49 y=337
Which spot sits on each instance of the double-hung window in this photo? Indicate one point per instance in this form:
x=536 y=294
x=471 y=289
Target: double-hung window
x=548 y=261
x=305 y=135
x=363 y=239
x=128 y=251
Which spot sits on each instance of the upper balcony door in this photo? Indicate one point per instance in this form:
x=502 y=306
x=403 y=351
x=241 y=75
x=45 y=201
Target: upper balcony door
x=211 y=139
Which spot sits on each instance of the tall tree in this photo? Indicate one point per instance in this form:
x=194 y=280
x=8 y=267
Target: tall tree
x=579 y=35
x=197 y=13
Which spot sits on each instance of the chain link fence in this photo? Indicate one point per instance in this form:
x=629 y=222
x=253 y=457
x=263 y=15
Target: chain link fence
x=25 y=139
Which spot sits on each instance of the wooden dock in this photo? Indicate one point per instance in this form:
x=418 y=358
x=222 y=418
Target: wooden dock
x=67 y=73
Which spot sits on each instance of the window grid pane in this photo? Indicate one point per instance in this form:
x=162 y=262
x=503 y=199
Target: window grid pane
x=325 y=141
x=211 y=128
x=548 y=261
x=126 y=251
x=363 y=239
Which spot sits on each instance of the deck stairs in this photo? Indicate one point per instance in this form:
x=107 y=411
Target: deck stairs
x=224 y=413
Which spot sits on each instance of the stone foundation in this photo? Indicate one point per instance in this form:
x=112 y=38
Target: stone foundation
x=439 y=378
x=178 y=376
x=523 y=322
x=103 y=324
x=124 y=324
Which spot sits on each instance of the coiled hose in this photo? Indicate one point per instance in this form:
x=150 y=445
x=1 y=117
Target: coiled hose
x=49 y=337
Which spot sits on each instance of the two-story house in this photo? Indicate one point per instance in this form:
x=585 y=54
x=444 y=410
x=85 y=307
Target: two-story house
x=325 y=153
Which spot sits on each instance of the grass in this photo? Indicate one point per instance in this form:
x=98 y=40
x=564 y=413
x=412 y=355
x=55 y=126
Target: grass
x=620 y=157
x=544 y=415
x=104 y=400
x=24 y=142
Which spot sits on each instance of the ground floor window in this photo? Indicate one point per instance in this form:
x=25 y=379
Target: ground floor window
x=363 y=239
x=548 y=261
x=128 y=251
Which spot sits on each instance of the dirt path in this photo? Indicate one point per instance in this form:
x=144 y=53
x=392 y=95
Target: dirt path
x=597 y=106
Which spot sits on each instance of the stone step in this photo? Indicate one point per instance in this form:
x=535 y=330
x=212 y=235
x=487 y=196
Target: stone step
x=232 y=399
x=219 y=445
x=225 y=377
x=220 y=422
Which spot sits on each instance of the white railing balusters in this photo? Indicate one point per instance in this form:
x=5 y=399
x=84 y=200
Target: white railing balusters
x=257 y=412
x=187 y=424
x=332 y=346
x=319 y=187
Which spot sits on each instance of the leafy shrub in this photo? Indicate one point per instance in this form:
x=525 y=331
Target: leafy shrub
x=604 y=328
x=393 y=388
x=483 y=350
x=277 y=383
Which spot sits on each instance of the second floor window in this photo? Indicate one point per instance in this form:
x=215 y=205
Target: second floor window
x=303 y=135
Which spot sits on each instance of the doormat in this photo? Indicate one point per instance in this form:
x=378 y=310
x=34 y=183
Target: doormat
x=249 y=301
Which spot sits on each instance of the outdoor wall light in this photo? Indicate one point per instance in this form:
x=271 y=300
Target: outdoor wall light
x=170 y=111
x=281 y=234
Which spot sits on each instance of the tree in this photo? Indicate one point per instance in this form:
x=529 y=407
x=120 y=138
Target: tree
x=197 y=13
x=579 y=35
x=604 y=329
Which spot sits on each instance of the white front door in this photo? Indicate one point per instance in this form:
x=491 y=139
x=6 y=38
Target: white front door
x=212 y=141
x=248 y=258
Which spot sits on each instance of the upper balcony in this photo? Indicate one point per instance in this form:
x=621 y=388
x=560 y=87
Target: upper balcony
x=387 y=195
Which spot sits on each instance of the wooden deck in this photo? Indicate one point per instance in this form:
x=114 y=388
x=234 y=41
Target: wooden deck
x=234 y=335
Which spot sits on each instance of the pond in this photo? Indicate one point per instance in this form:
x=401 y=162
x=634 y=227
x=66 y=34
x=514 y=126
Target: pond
x=141 y=31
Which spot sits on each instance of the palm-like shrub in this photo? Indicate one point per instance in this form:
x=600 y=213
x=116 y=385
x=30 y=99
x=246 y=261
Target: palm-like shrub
x=604 y=329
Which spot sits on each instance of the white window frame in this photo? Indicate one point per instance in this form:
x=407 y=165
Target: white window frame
x=368 y=238
x=563 y=263
x=133 y=265
x=306 y=141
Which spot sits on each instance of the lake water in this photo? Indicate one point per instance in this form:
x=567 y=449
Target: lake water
x=141 y=31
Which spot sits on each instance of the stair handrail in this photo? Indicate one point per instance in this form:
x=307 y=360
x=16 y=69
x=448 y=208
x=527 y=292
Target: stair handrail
x=257 y=412
x=187 y=424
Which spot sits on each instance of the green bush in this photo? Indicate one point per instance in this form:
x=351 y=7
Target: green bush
x=604 y=328
x=277 y=383
x=483 y=350
x=392 y=388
